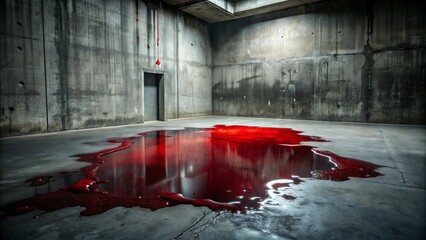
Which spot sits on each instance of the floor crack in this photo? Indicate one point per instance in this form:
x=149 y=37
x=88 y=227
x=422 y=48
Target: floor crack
x=202 y=226
x=392 y=159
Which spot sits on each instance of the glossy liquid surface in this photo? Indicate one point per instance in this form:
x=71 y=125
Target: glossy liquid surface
x=223 y=167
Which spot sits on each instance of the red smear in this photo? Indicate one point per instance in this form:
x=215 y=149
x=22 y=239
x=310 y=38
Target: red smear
x=260 y=135
x=158 y=62
x=82 y=185
x=345 y=168
x=223 y=168
x=94 y=202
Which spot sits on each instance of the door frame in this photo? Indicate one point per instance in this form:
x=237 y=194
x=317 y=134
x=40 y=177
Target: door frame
x=161 y=101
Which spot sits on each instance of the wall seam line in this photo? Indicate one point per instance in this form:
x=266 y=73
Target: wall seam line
x=44 y=63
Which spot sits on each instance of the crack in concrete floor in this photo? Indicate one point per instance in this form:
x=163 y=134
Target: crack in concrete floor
x=198 y=226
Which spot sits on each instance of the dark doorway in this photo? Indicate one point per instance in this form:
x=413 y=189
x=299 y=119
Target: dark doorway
x=152 y=96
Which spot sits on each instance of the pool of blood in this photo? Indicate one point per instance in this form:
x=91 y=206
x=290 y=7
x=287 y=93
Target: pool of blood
x=222 y=167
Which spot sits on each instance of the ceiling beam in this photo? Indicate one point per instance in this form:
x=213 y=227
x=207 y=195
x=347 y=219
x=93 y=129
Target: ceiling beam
x=223 y=10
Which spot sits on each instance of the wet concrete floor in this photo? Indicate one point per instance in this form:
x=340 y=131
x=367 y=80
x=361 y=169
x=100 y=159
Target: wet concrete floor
x=390 y=206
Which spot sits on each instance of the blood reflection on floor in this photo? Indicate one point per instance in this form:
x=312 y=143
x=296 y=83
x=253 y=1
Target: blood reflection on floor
x=223 y=167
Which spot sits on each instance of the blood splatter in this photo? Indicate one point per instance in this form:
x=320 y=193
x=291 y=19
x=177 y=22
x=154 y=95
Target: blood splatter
x=223 y=167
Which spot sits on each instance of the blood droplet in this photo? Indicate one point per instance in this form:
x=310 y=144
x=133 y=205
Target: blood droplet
x=40 y=180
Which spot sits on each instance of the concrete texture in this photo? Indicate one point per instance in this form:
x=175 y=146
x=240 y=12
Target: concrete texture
x=334 y=60
x=22 y=79
x=224 y=10
x=391 y=206
x=80 y=64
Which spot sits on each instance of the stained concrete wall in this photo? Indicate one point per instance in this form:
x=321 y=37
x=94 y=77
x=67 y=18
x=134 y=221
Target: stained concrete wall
x=80 y=63
x=194 y=79
x=22 y=79
x=334 y=60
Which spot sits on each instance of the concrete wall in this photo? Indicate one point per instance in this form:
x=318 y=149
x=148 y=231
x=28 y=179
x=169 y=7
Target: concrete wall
x=80 y=63
x=194 y=79
x=22 y=79
x=334 y=60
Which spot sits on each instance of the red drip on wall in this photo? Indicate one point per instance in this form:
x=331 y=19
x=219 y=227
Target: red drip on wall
x=223 y=167
x=158 y=62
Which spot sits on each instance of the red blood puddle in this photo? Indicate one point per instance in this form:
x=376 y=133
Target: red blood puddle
x=224 y=168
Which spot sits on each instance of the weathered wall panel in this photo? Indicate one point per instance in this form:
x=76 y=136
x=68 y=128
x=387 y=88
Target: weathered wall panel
x=96 y=53
x=93 y=67
x=398 y=40
x=22 y=82
x=335 y=60
x=398 y=81
x=194 y=67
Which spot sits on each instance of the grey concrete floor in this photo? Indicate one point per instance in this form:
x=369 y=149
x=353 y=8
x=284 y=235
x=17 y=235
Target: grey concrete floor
x=391 y=206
